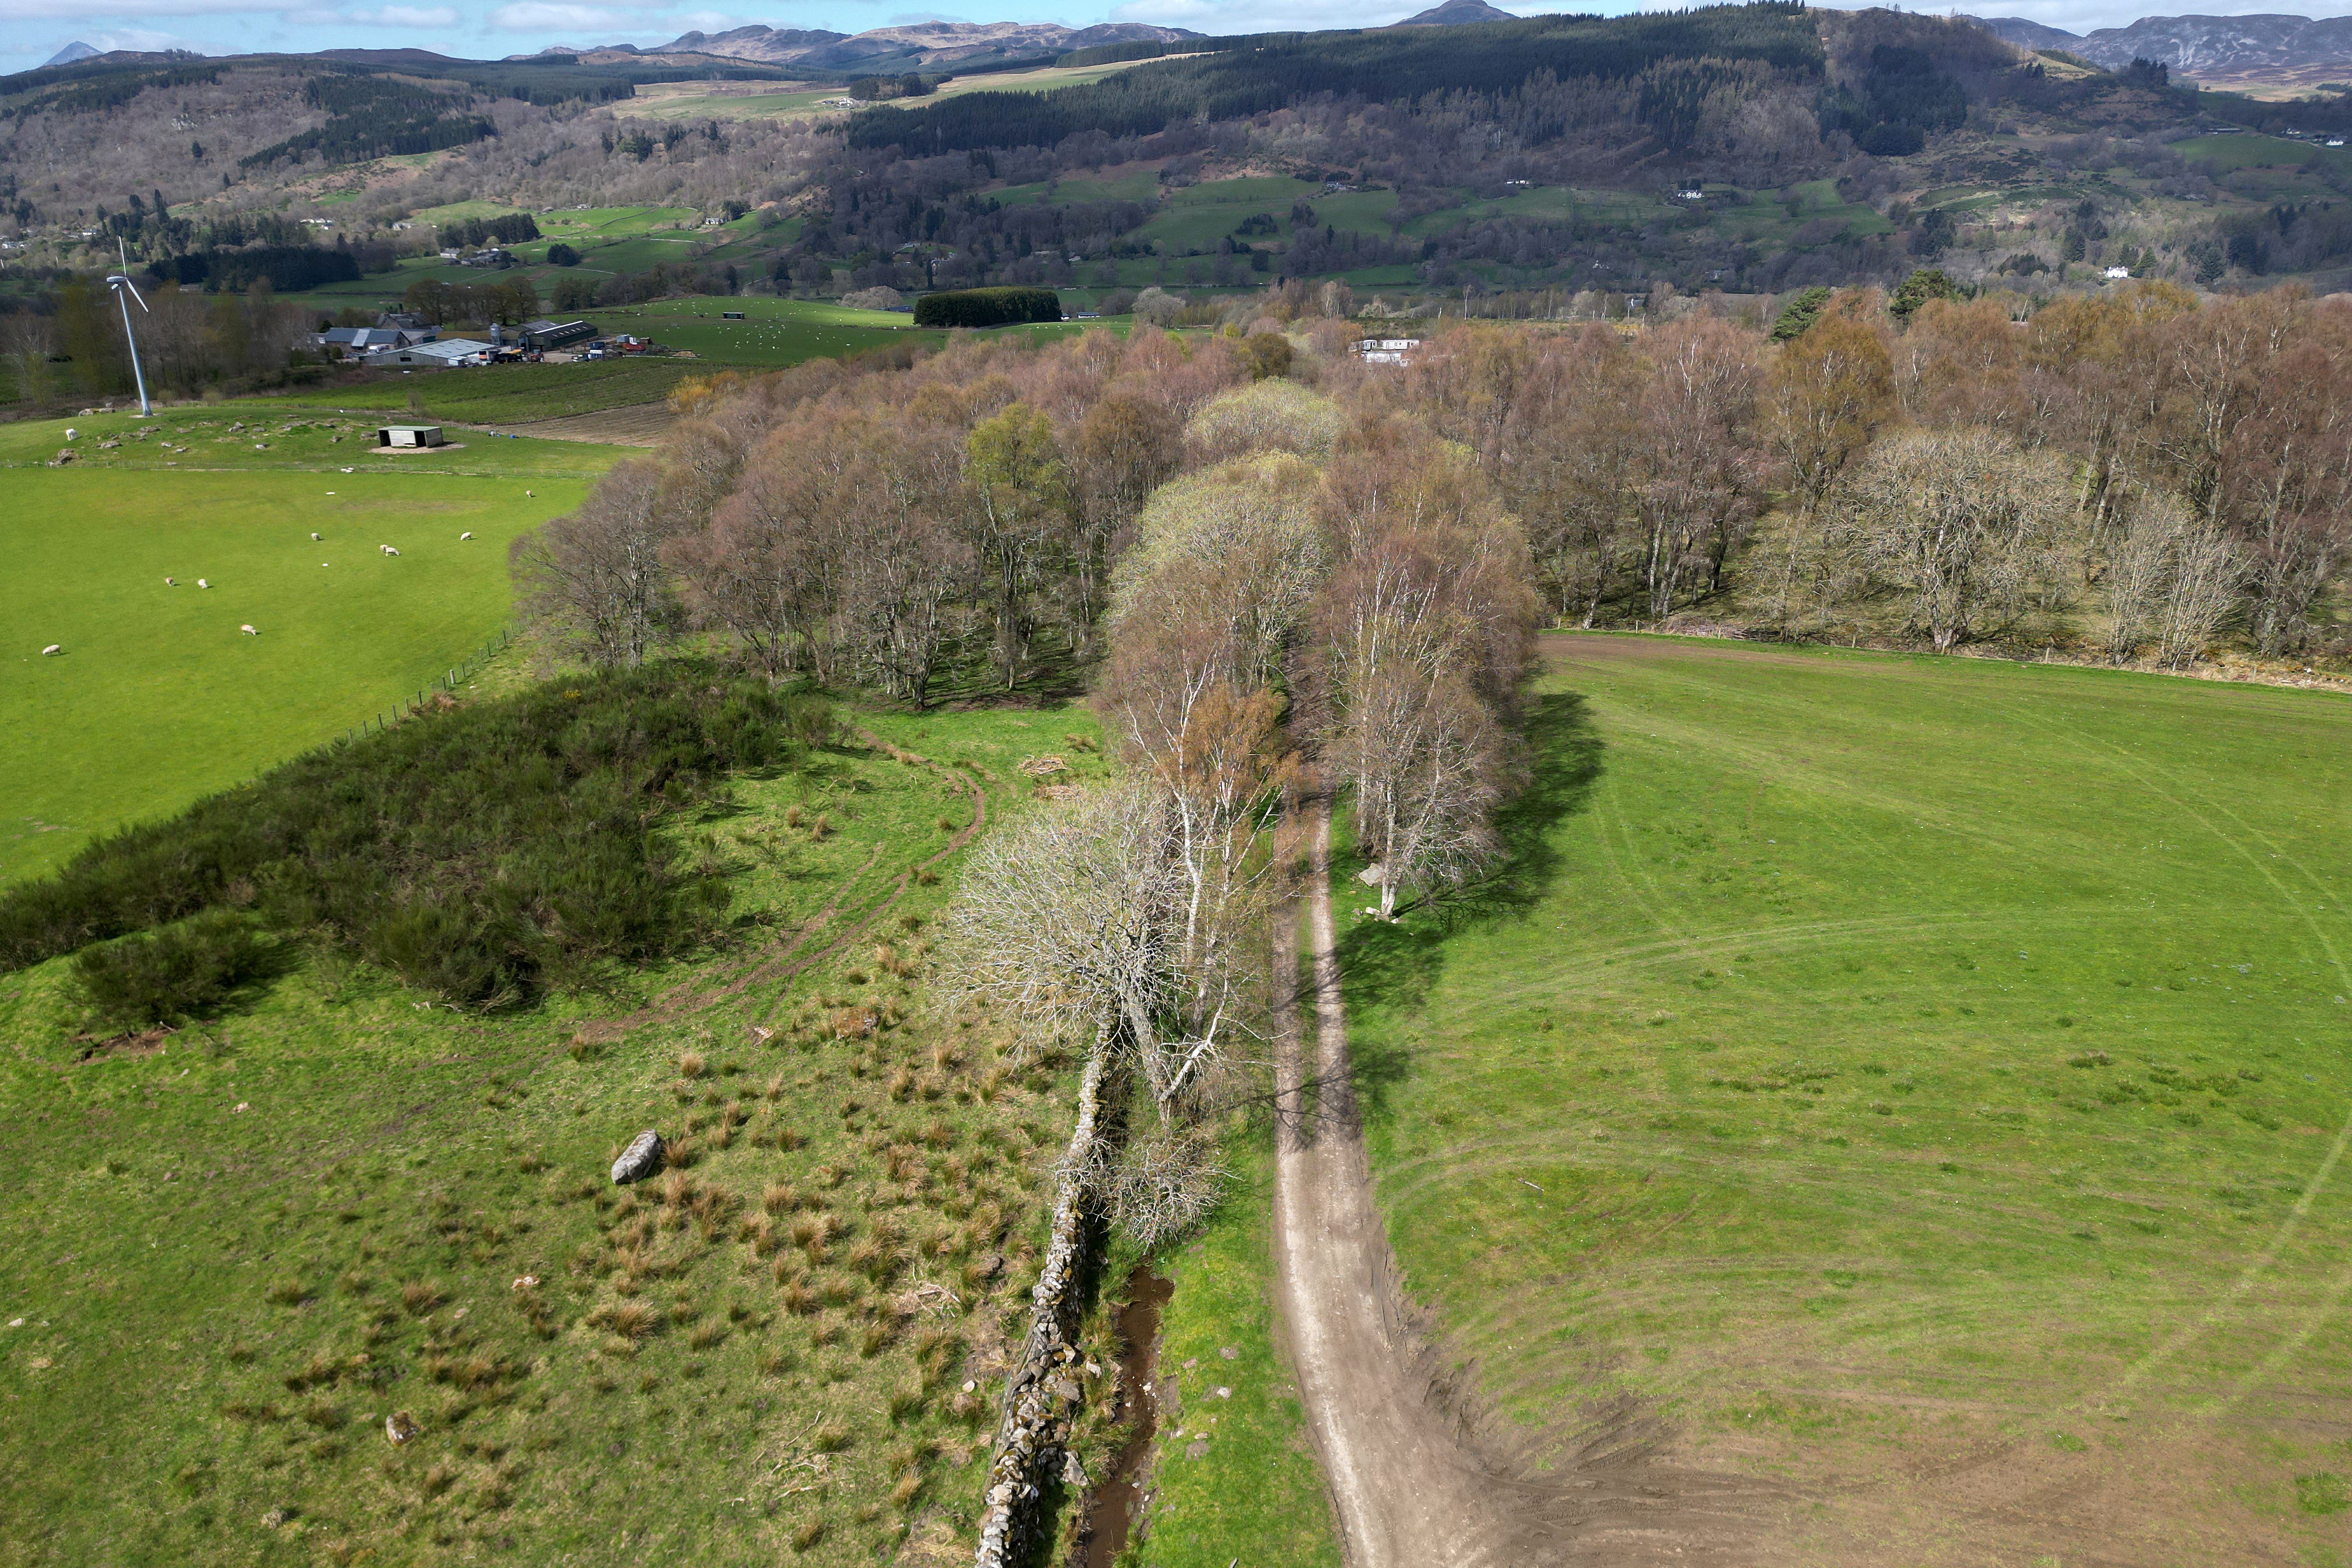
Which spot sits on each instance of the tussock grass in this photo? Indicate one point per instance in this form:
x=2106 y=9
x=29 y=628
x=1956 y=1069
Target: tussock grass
x=474 y=1156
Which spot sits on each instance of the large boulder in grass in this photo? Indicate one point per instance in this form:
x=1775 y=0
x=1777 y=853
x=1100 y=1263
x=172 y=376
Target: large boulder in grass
x=641 y=1159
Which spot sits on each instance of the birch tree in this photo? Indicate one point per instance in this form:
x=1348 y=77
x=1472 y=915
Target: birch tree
x=595 y=579
x=1960 y=522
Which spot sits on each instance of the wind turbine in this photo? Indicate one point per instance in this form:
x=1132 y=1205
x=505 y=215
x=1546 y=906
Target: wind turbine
x=119 y=282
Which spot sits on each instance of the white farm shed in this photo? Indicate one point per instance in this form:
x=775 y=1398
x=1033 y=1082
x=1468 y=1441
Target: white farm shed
x=408 y=436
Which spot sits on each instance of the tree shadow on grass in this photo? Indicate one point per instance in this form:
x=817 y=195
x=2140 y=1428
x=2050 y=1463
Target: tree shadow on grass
x=1393 y=967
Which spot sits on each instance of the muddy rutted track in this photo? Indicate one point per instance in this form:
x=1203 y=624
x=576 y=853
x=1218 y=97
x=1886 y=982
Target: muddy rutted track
x=1413 y=1484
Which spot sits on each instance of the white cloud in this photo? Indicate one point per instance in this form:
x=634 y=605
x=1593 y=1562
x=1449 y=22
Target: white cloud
x=96 y=10
x=146 y=39
x=539 y=16
x=408 y=16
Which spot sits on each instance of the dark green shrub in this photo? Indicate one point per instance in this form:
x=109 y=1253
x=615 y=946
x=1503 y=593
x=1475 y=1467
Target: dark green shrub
x=481 y=854
x=987 y=307
x=172 y=973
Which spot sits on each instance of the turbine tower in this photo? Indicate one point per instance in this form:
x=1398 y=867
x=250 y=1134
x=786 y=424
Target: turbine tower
x=119 y=282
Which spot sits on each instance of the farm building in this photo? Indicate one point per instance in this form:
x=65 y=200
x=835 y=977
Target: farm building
x=409 y=435
x=373 y=340
x=545 y=335
x=442 y=356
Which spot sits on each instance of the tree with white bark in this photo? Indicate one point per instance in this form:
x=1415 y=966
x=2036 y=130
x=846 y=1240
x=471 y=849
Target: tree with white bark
x=1424 y=630
x=1961 y=523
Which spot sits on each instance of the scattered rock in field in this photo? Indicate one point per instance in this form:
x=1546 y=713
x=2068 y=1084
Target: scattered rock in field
x=400 y=1427
x=274 y=1518
x=1225 y=1394
x=641 y=1159
x=526 y=1282
x=1073 y=1473
x=65 y=455
x=1196 y=1447
x=1191 y=1363
x=1230 y=1353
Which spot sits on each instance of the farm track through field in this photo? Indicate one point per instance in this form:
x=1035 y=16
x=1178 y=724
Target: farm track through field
x=1412 y=1485
x=631 y=425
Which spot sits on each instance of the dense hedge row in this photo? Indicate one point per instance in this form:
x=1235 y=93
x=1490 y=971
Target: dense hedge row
x=481 y=853
x=987 y=307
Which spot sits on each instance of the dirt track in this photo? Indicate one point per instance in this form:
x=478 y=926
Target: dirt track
x=634 y=424
x=1411 y=1484
x=1400 y=1485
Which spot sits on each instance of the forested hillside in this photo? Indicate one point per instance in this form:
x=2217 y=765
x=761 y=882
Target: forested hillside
x=1554 y=166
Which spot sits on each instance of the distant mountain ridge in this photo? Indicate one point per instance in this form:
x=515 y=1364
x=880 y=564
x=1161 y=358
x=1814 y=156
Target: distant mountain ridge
x=76 y=50
x=1456 y=13
x=2271 y=47
x=925 y=43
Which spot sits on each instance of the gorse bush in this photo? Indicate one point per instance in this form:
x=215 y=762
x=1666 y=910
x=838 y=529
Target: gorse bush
x=169 y=975
x=481 y=854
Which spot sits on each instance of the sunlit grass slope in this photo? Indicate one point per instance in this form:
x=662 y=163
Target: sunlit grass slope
x=158 y=697
x=1920 y=1085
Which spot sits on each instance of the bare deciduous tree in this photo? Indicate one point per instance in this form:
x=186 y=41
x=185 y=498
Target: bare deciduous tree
x=595 y=580
x=1961 y=523
x=1081 y=920
x=1425 y=628
x=2174 y=578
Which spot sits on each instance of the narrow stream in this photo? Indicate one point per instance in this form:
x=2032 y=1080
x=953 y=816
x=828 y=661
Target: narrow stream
x=1117 y=1502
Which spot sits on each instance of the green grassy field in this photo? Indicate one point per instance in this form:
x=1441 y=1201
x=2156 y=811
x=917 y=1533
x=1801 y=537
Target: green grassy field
x=158 y=697
x=2217 y=153
x=257 y=1243
x=773 y=332
x=490 y=395
x=1231 y=1476
x=1912 y=1082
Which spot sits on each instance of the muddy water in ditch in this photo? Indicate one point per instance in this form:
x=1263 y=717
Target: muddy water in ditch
x=1119 y=1501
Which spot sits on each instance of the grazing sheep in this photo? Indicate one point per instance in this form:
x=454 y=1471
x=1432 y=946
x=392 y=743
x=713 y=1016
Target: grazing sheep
x=169 y=584
x=527 y=495
x=53 y=647
x=464 y=536
x=248 y=631
x=314 y=537
x=387 y=549
x=202 y=583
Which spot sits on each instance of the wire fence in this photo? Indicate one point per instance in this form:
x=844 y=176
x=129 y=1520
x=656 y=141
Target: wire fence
x=456 y=675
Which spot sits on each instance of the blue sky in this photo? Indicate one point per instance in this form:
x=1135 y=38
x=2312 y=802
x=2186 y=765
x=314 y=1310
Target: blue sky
x=32 y=30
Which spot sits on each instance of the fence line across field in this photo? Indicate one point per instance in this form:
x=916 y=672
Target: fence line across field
x=462 y=670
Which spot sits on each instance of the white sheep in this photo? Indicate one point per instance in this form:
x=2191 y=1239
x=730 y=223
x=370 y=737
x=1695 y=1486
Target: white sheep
x=169 y=584
x=527 y=495
x=464 y=536
x=387 y=549
x=248 y=631
x=53 y=647
x=314 y=537
x=202 y=583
